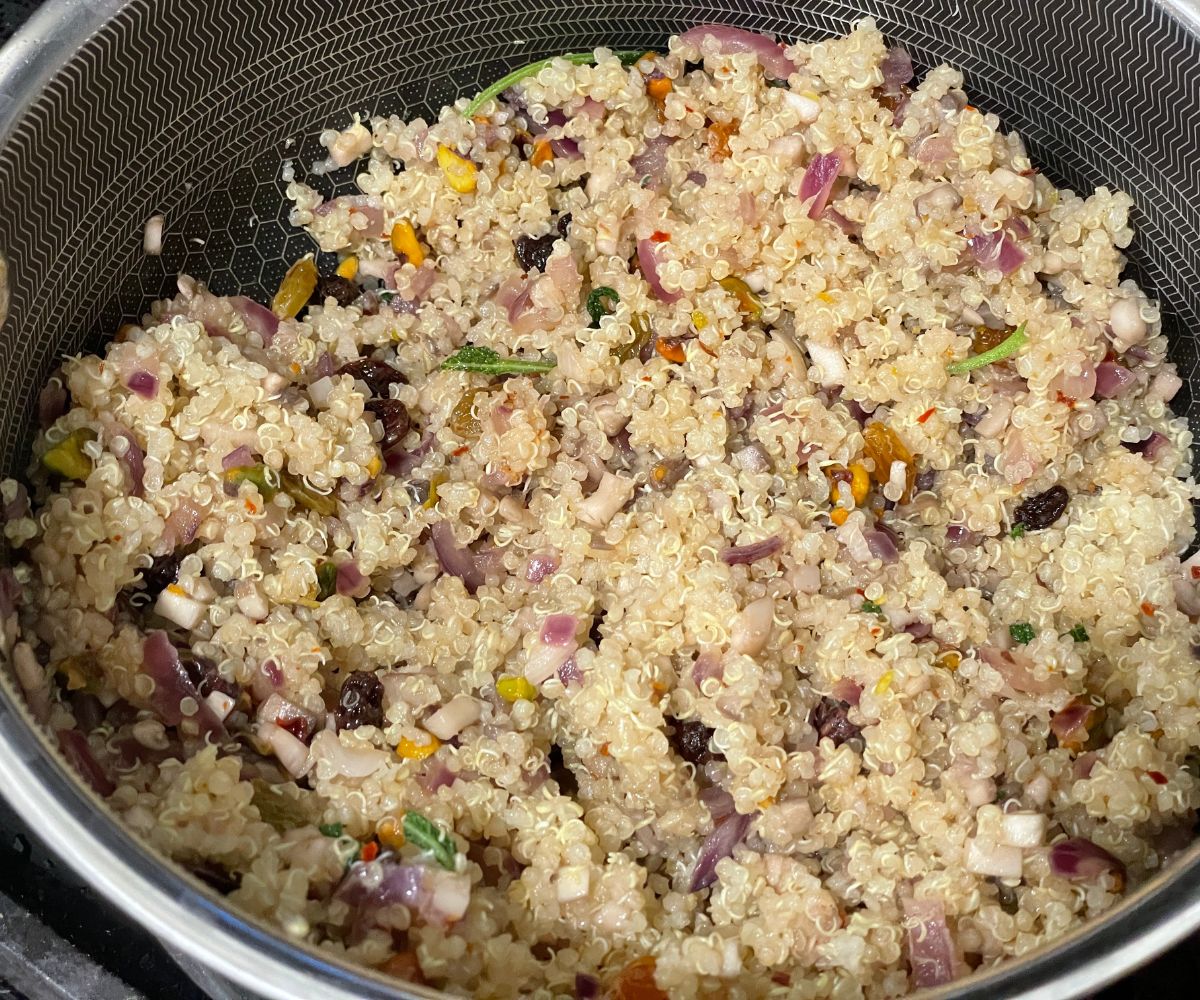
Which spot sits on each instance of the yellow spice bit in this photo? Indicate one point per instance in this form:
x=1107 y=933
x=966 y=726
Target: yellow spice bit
x=699 y=320
x=417 y=751
x=950 y=660
x=825 y=297
x=177 y=590
x=459 y=171
x=884 y=683
x=838 y=515
x=375 y=466
x=404 y=241
x=348 y=268
x=390 y=833
x=515 y=689
x=296 y=289
x=860 y=483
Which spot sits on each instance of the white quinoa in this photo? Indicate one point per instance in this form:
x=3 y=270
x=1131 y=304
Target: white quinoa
x=874 y=701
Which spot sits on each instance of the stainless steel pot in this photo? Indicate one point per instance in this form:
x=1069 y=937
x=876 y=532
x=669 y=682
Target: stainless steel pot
x=111 y=111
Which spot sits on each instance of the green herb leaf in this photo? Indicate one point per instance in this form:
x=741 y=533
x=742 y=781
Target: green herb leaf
x=422 y=833
x=326 y=580
x=517 y=75
x=264 y=478
x=601 y=302
x=1005 y=349
x=487 y=362
x=331 y=829
x=1079 y=634
x=1018 y=530
x=1022 y=633
x=871 y=608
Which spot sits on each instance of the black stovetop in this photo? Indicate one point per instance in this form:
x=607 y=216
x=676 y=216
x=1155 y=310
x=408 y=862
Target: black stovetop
x=61 y=941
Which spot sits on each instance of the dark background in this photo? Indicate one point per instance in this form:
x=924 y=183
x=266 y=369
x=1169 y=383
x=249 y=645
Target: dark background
x=58 y=940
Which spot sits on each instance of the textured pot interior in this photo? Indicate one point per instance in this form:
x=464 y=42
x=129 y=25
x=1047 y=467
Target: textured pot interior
x=189 y=108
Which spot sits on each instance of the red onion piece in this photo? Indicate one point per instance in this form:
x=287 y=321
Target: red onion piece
x=1017 y=670
x=1084 y=764
x=651 y=162
x=996 y=250
x=238 y=458
x=78 y=751
x=403 y=884
x=845 y=225
x=697 y=178
x=822 y=171
x=519 y=303
x=53 y=402
x=719 y=844
x=847 y=690
x=368 y=206
x=730 y=41
x=455 y=559
x=288 y=716
x=325 y=366
x=565 y=149
x=1165 y=384
x=134 y=462
x=591 y=108
x=540 y=566
x=586 y=987
x=436 y=774
x=717 y=801
x=258 y=318
x=1079 y=860
x=182 y=523
x=160 y=662
x=1150 y=448
x=930 y=944
x=401 y=462
x=919 y=629
x=960 y=535
x=1113 y=380
x=648 y=261
x=708 y=664
x=351 y=582
x=142 y=383
x=933 y=149
x=559 y=630
x=1070 y=726
x=736 y=555
x=18 y=506
x=569 y=673
x=897 y=69
x=882 y=545
x=1018 y=227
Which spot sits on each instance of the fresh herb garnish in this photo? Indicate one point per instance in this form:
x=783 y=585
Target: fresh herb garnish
x=487 y=362
x=1022 y=633
x=601 y=302
x=331 y=829
x=326 y=580
x=1005 y=349
x=517 y=75
x=1079 y=634
x=871 y=608
x=1018 y=530
x=422 y=833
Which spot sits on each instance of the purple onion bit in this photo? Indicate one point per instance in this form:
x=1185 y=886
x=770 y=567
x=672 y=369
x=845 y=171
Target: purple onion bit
x=75 y=748
x=882 y=543
x=1113 y=380
x=717 y=845
x=586 y=987
x=1150 y=448
x=143 y=383
x=455 y=559
x=1079 y=860
x=817 y=182
x=736 y=555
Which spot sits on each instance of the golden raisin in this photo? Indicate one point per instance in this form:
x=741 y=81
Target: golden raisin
x=883 y=446
x=636 y=982
x=719 y=133
x=463 y=421
x=985 y=338
x=296 y=289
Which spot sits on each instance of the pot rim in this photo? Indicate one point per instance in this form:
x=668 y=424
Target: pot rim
x=189 y=918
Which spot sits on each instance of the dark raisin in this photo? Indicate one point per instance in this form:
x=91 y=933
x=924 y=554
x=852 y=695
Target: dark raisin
x=216 y=876
x=691 y=741
x=564 y=226
x=360 y=702
x=534 y=251
x=562 y=775
x=1006 y=896
x=378 y=375
x=204 y=674
x=1042 y=510
x=831 y=720
x=163 y=571
x=395 y=419
x=341 y=290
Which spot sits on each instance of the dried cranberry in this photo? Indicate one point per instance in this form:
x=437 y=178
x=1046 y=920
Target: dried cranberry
x=162 y=572
x=360 y=702
x=534 y=251
x=831 y=720
x=377 y=374
x=395 y=419
x=341 y=290
x=1044 y=509
x=691 y=741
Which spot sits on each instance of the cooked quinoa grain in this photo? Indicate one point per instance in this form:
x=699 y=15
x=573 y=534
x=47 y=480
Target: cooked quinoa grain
x=746 y=631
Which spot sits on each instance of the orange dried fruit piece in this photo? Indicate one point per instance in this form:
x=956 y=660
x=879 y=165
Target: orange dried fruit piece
x=883 y=446
x=636 y=982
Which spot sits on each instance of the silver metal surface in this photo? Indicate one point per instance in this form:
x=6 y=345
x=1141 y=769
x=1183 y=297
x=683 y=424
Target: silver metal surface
x=109 y=109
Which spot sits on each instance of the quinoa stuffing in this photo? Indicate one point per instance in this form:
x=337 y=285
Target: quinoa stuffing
x=716 y=530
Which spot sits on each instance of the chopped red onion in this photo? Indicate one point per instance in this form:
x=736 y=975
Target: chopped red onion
x=142 y=383
x=648 y=261
x=161 y=663
x=1018 y=227
x=897 y=69
x=717 y=801
x=238 y=458
x=736 y=555
x=18 y=506
x=368 y=206
x=919 y=629
x=541 y=566
x=1084 y=764
x=258 y=318
x=719 y=844
x=555 y=645
x=697 y=178
x=401 y=462
x=383 y=883
x=288 y=716
x=435 y=774
x=133 y=460
x=845 y=225
x=324 y=367
x=996 y=250
x=1017 y=670
x=565 y=149
x=882 y=545
x=351 y=582
x=731 y=41
x=930 y=944
x=78 y=751
x=1079 y=860
x=822 y=171
x=960 y=535
x=53 y=402
x=933 y=149
x=1113 y=380
x=844 y=689
x=652 y=160
x=1165 y=384
x=708 y=664
x=569 y=673
x=591 y=108
x=182 y=523
x=586 y=987
x=455 y=559
x=1150 y=448
x=559 y=630
x=1070 y=725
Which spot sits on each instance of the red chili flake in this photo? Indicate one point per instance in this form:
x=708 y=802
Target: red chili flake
x=1068 y=400
x=1196 y=572
x=1147 y=608
x=460 y=451
x=370 y=850
x=658 y=236
x=1157 y=777
x=926 y=415
x=781 y=978
x=1110 y=355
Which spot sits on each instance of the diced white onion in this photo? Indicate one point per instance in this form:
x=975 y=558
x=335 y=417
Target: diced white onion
x=274 y=384
x=829 y=361
x=319 y=390
x=453 y=717
x=610 y=496
x=807 y=110
x=1023 y=829
x=350 y=761
x=220 y=703
x=250 y=600
x=752 y=627
x=152 y=235
x=1128 y=327
x=998 y=860
x=807 y=579
x=573 y=882
x=289 y=751
x=350 y=145
x=176 y=606
x=450 y=894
